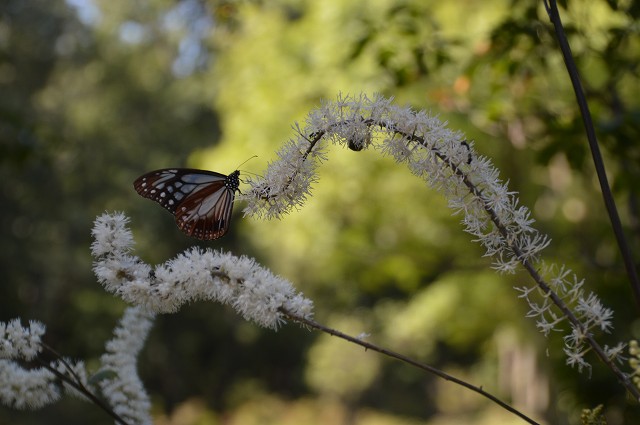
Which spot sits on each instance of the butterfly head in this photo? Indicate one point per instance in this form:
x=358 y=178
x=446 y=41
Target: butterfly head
x=232 y=182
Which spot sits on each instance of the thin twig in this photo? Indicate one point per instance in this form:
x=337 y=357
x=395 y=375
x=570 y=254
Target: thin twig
x=572 y=69
x=76 y=383
x=408 y=360
x=63 y=361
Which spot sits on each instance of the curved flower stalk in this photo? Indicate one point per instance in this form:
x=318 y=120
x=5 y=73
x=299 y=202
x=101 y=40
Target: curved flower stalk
x=208 y=275
x=470 y=182
x=123 y=388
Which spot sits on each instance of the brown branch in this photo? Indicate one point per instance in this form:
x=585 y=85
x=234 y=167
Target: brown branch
x=76 y=383
x=609 y=202
x=373 y=347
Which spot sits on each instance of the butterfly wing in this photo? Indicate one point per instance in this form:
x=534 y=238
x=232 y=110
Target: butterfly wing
x=206 y=213
x=201 y=201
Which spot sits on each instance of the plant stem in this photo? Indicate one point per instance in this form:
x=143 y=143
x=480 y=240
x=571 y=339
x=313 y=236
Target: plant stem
x=572 y=69
x=77 y=383
x=403 y=358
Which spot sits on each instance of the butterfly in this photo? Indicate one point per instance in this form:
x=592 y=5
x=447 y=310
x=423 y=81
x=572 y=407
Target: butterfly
x=201 y=201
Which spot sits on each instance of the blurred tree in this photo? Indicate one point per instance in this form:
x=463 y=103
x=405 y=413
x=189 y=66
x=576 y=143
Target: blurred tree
x=83 y=113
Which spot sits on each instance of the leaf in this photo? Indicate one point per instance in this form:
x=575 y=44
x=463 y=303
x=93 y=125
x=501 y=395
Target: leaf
x=102 y=375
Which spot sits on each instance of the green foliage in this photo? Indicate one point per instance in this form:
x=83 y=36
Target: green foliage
x=87 y=107
x=593 y=416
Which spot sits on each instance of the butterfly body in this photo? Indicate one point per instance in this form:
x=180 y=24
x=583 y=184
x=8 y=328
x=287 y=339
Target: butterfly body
x=201 y=201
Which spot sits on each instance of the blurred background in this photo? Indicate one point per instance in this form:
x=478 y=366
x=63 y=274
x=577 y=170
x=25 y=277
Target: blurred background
x=94 y=93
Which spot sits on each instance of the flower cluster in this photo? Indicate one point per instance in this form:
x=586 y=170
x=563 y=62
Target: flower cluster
x=591 y=315
x=196 y=274
x=470 y=182
x=287 y=181
x=17 y=342
x=22 y=388
x=34 y=388
x=26 y=387
x=125 y=391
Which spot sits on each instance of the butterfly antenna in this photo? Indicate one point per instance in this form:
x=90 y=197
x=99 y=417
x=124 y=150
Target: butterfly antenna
x=248 y=172
x=251 y=173
x=238 y=167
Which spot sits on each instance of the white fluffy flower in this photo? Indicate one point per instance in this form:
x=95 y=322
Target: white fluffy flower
x=26 y=389
x=110 y=234
x=125 y=392
x=33 y=388
x=255 y=292
x=17 y=341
